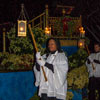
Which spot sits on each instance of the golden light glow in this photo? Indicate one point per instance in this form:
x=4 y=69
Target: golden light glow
x=63 y=11
x=21 y=28
x=81 y=44
x=82 y=31
x=48 y=30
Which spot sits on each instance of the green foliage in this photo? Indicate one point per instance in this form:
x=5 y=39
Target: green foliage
x=16 y=62
x=24 y=45
x=77 y=75
x=21 y=50
x=19 y=45
x=77 y=59
x=78 y=78
x=69 y=95
x=40 y=36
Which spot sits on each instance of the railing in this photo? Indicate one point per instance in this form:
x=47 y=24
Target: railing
x=38 y=21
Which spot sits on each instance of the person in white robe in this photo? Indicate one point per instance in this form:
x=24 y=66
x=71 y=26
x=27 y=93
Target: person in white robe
x=55 y=64
x=93 y=66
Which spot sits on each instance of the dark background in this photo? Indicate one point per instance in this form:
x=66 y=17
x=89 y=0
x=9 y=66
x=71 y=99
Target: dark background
x=89 y=9
x=10 y=9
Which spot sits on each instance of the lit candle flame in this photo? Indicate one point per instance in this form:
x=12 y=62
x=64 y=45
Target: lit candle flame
x=21 y=28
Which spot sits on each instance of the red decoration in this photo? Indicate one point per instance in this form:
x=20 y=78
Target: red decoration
x=65 y=24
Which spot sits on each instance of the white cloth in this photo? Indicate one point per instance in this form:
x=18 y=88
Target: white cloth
x=38 y=56
x=56 y=86
x=91 y=59
x=39 y=59
x=95 y=73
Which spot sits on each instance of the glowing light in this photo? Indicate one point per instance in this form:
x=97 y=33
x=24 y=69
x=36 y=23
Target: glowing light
x=82 y=32
x=21 y=28
x=48 y=30
x=81 y=43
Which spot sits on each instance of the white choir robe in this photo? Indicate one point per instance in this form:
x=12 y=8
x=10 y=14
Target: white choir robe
x=96 y=72
x=56 y=86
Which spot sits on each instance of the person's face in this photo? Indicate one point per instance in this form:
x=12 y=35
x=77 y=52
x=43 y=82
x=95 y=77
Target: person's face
x=96 y=48
x=52 y=45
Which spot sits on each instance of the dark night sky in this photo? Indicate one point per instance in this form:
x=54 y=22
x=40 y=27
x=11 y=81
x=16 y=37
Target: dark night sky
x=89 y=9
x=10 y=9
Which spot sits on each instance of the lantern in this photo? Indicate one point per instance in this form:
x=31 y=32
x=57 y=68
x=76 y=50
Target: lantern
x=82 y=32
x=81 y=43
x=48 y=31
x=22 y=25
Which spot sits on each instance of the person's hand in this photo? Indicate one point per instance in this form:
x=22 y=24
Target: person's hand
x=38 y=55
x=41 y=61
x=91 y=59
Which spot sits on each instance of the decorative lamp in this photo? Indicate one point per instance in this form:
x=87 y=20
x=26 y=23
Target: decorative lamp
x=22 y=25
x=22 y=22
